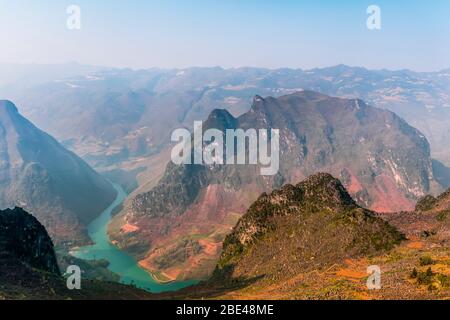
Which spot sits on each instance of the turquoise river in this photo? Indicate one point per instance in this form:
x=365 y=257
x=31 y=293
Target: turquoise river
x=120 y=262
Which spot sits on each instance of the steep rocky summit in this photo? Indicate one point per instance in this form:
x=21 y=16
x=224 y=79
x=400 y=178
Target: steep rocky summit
x=29 y=269
x=50 y=182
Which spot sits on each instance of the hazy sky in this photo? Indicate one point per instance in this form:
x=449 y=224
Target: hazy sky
x=415 y=34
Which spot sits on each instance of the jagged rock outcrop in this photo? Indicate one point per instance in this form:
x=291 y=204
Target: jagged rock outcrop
x=23 y=240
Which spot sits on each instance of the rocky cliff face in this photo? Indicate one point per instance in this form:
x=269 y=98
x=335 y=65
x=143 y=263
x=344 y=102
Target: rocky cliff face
x=50 y=182
x=383 y=162
x=23 y=240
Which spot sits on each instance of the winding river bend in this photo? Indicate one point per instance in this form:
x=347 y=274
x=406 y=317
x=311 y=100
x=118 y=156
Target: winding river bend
x=120 y=262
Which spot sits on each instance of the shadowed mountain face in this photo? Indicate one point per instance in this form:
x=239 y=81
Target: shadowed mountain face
x=430 y=220
x=56 y=186
x=24 y=240
x=111 y=116
x=178 y=226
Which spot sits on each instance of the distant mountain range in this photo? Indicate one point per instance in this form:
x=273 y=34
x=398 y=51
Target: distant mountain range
x=312 y=241
x=309 y=226
x=111 y=116
x=177 y=227
x=52 y=183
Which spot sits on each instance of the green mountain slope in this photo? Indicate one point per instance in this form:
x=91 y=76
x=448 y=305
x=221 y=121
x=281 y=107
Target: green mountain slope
x=301 y=228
